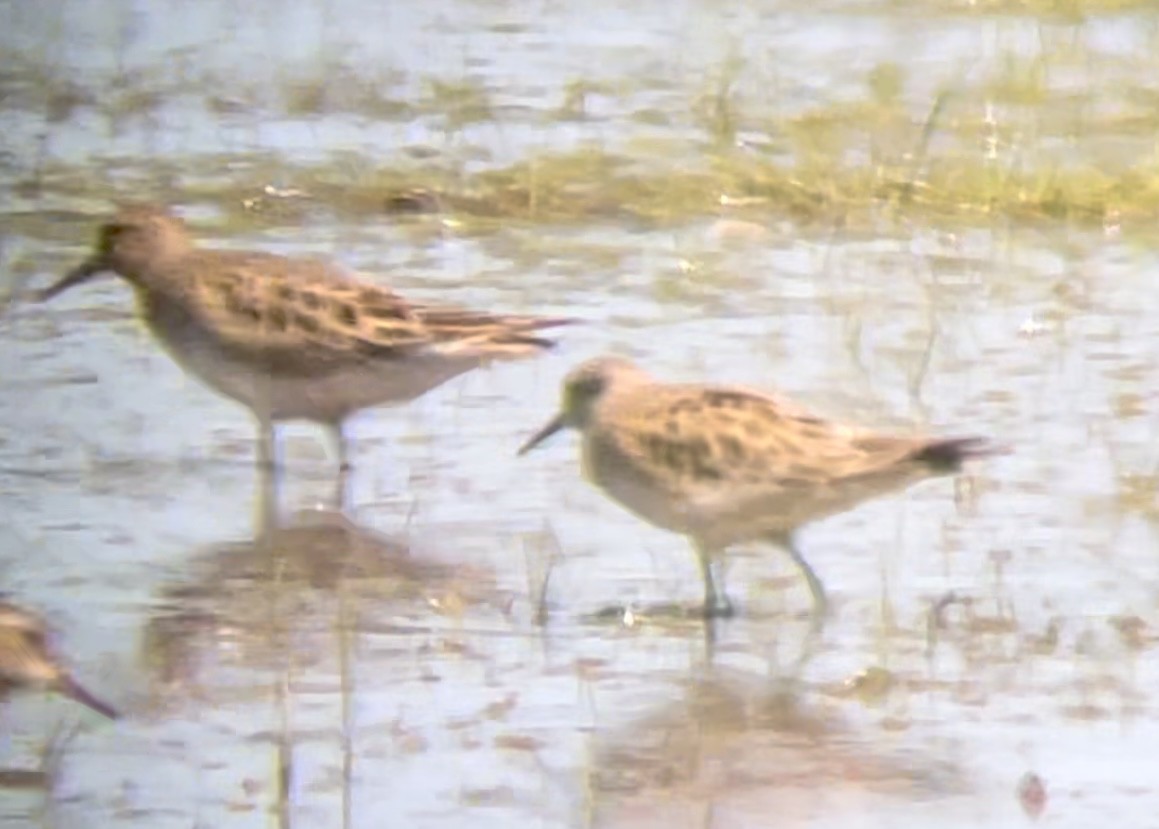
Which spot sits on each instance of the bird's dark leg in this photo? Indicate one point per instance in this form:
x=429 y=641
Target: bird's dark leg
x=820 y=601
x=342 y=449
x=716 y=603
x=267 y=446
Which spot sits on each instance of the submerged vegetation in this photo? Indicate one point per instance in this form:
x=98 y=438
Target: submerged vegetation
x=1019 y=139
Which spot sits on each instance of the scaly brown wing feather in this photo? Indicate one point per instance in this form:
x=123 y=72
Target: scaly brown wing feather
x=300 y=315
x=17 y=618
x=740 y=448
x=497 y=334
x=294 y=315
x=24 y=660
x=717 y=435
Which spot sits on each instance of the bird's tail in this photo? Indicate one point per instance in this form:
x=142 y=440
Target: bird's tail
x=489 y=336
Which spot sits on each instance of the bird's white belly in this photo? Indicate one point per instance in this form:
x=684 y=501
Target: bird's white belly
x=324 y=396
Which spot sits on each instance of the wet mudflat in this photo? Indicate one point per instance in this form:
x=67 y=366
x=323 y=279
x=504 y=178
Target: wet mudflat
x=935 y=220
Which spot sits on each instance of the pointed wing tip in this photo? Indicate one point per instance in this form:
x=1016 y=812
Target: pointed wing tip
x=537 y=323
x=522 y=345
x=516 y=338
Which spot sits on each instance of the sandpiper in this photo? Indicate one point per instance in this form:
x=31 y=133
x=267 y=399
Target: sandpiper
x=293 y=339
x=724 y=465
x=27 y=660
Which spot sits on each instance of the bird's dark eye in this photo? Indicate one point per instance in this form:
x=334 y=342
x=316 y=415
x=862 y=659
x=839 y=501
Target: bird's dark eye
x=590 y=386
x=109 y=236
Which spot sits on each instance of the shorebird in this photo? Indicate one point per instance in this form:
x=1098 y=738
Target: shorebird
x=27 y=660
x=724 y=465
x=290 y=338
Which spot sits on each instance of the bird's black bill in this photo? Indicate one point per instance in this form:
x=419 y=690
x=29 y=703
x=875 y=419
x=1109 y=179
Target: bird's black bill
x=70 y=688
x=79 y=274
x=553 y=426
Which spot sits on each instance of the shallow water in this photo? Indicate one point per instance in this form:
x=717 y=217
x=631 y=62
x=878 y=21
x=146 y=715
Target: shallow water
x=390 y=663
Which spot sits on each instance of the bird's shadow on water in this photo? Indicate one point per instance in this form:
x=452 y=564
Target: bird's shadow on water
x=255 y=626
x=292 y=594
x=723 y=744
x=738 y=745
